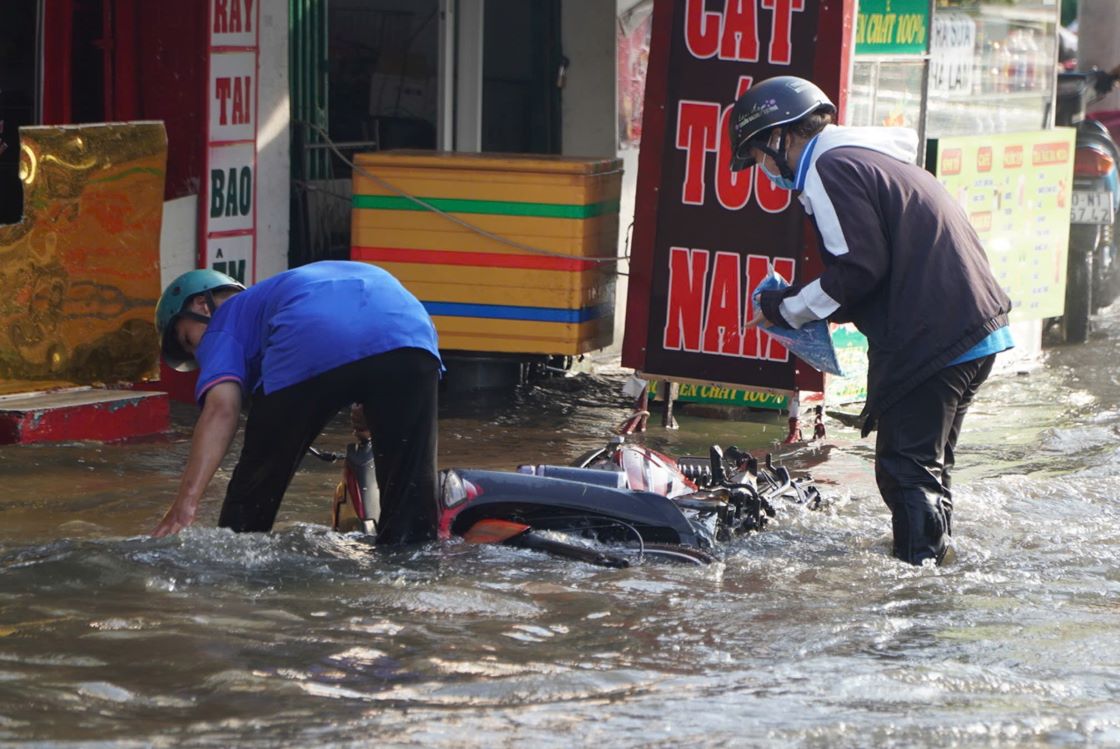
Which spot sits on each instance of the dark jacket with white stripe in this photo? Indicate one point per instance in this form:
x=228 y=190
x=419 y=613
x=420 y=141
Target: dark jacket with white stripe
x=901 y=260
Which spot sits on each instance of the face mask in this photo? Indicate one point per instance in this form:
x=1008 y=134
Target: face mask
x=777 y=179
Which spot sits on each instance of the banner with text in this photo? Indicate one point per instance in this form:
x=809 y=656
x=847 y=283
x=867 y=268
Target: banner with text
x=228 y=204
x=892 y=27
x=1016 y=189
x=705 y=236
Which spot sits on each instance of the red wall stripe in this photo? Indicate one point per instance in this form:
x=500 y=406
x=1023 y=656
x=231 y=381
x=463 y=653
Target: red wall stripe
x=480 y=259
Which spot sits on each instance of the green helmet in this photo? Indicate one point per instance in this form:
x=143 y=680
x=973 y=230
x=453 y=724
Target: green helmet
x=171 y=307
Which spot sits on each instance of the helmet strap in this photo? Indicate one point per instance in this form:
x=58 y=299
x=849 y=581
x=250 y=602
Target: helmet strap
x=783 y=149
x=190 y=314
x=211 y=305
x=779 y=156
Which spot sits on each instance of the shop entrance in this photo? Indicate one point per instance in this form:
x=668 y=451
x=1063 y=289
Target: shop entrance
x=521 y=77
x=18 y=97
x=383 y=70
x=376 y=75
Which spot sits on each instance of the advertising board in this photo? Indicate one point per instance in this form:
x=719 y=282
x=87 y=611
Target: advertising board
x=704 y=236
x=1016 y=189
x=228 y=204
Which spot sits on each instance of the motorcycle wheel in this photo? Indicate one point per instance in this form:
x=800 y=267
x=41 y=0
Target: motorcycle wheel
x=1079 y=284
x=1106 y=273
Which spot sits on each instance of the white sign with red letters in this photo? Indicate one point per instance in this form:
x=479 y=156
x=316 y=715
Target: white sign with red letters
x=228 y=204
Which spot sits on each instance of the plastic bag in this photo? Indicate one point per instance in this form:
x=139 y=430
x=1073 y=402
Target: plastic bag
x=634 y=387
x=812 y=342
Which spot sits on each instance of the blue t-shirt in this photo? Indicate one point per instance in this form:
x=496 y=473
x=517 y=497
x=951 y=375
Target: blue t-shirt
x=996 y=341
x=306 y=321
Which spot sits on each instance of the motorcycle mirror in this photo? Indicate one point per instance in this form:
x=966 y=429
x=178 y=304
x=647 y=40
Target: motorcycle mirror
x=715 y=458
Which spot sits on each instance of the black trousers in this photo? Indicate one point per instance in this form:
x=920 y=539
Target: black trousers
x=398 y=391
x=914 y=458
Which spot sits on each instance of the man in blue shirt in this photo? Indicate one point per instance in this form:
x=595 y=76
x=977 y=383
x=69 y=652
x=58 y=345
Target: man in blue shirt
x=299 y=347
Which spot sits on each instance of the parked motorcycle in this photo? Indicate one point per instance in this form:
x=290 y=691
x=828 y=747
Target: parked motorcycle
x=1093 y=274
x=615 y=504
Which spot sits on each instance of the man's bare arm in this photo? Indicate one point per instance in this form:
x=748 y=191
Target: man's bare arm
x=212 y=437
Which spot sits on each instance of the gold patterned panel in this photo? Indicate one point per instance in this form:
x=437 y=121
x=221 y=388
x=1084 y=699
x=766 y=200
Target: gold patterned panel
x=80 y=274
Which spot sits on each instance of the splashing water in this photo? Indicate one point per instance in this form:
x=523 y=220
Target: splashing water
x=808 y=634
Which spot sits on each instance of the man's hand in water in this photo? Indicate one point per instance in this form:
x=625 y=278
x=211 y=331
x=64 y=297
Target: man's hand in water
x=177 y=517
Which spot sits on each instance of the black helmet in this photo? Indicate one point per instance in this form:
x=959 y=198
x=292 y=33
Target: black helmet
x=768 y=104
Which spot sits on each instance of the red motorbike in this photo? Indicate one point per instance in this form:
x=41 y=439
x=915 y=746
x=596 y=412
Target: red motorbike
x=616 y=504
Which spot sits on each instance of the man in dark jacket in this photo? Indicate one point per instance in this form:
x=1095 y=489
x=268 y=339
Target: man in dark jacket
x=905 y=266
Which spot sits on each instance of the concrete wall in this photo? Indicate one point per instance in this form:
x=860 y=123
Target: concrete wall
x=273 y=141
x=629 y=156
x=588 y=121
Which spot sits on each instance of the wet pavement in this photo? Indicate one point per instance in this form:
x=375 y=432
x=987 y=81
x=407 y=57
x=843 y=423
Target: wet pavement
x=808 y=634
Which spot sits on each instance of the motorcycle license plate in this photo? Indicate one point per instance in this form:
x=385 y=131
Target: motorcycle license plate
x=1091 y=208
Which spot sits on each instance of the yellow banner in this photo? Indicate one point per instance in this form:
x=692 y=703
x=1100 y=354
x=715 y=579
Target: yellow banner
x=1016 y=189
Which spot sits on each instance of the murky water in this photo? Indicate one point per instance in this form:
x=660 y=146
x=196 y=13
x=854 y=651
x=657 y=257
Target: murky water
x=807 y=635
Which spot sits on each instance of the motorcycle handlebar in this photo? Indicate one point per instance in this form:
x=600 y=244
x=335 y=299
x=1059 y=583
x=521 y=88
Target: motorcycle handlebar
x=1081 y=82
x=325 y=455
x=1105 y=80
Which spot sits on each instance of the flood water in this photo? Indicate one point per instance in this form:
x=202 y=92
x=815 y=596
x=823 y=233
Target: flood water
x=805 y=635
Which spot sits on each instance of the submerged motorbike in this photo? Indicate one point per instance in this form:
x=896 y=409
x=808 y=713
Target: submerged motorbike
x=1093 y=273
x=615 y=504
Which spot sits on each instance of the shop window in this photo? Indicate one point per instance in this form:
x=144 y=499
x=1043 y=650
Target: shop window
x=886 y=93
x=383 y=72
x=17 y=97
x=992 y=66
x=379 y=90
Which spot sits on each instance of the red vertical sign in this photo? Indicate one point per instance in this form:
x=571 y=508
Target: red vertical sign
x=228 y=198
x=705 y=236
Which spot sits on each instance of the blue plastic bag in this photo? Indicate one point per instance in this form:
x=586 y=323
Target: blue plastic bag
x=812 y=342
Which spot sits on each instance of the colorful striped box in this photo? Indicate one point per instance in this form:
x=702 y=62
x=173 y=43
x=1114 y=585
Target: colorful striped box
x=523 y=276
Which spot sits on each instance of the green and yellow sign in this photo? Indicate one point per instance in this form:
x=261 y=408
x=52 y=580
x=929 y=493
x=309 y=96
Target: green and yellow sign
x=892 y=27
